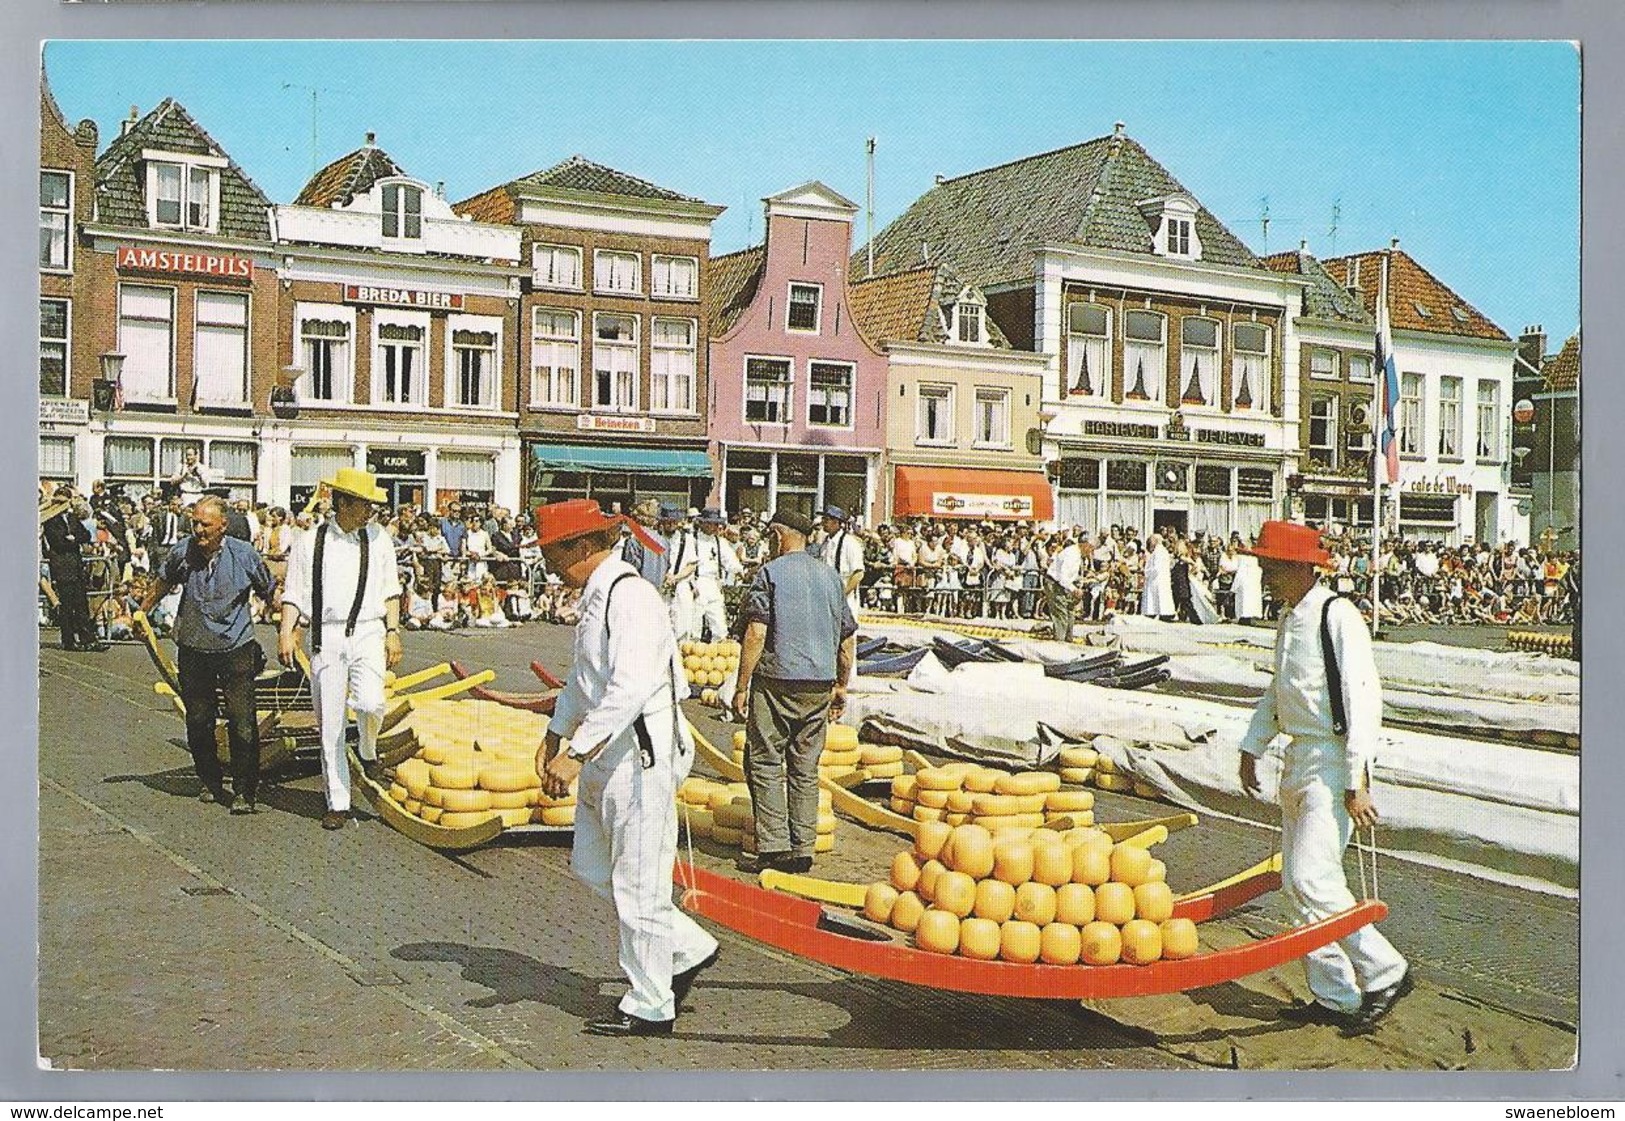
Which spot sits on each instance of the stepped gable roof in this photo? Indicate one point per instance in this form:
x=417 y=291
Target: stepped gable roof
x=48 y=101
x=733 y=280
x=1324 y=299
x=348 y=176
x=1417 y=300
x=988 y=223
x=907 y=306
x=121 y=189
x=578 y=173
x=1562 y=370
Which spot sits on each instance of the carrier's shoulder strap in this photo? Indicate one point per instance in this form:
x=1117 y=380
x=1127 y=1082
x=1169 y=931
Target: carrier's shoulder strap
x=1334 y=674
x=316 y=589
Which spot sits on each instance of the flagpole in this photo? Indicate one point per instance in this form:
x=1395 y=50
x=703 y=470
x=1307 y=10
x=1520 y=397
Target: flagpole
x=1378 y=422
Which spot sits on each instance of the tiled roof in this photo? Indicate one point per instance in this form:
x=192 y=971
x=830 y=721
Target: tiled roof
x=495 y=205
x=1562 y=370
x=1324 y=299
x=348 y=176
x=578 y=173
x=121 y=191
x=988 y=223
x=734 y=277
x=1417 y=300
x=907 y=306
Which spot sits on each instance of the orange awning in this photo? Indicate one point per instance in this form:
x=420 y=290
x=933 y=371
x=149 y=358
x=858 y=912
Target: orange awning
x=971 y=492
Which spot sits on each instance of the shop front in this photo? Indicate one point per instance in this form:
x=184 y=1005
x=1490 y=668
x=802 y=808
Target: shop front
x=616 y=476
x=762 y=480
x=971 y=494
x=1149 y=492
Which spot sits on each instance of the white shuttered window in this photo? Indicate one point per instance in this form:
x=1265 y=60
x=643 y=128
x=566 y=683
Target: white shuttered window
x=220 y=356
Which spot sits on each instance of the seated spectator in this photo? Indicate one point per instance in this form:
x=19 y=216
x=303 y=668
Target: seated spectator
x=114 y=618
x=486 y=610
x=516 y=603
x=448 y=608
x=419 y=606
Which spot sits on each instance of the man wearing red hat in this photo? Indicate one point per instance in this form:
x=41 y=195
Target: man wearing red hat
x=1332 y=710
x=628 y=749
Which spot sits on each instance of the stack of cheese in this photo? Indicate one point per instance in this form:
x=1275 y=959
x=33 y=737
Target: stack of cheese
x=721 y=811
x=961 y=793
x=708 y=665
x=1083 y=766
x=1027 y=895
x=841 y=755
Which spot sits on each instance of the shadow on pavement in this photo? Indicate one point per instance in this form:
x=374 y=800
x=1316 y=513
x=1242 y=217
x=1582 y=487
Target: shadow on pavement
x=514 y=977
x=182 y=782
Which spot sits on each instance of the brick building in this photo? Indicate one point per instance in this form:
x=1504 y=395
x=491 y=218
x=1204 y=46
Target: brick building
x=614 y=390
x=1546 y=437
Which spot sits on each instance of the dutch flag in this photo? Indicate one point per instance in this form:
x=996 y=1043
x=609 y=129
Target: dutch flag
x=1390 y=381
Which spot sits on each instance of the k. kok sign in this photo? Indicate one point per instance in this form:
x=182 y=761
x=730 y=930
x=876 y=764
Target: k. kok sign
x=171 y=260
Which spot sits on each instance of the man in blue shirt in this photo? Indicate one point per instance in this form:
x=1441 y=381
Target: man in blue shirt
x=453 y=529
x=796 y=659
x=214 y=633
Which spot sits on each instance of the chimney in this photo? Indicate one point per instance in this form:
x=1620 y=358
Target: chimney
x=1354 y=274
x=925 y=252
x=372 y=139
x=129 y=122
x=941 y=179
x=1117 y=130
x=440 y=189
x=1532 y=345
x=1393 y=244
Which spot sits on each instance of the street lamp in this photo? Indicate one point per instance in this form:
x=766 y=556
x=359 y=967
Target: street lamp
x=284 y=402
x=104 y=391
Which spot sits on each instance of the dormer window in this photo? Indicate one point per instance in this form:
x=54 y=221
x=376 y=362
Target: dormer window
x=1173 y=226
x=183 y=194
x=967 y=319
x=403 y=211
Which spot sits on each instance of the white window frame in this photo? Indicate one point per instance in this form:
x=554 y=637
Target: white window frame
x=548 y=375
x=1210 y=384
x=186 y=169
x=554 y=253
x=1138 y=350
x=167 y=397
x=64 y=213
x=814 y=390
x=1180 y=233
x=616 y=347
x=1355 y=362
x=936 y=391
x=787 y=398
x=382 y=317
x=999 y=396
x=1411 y=431
x=1079 y=343
x=1450 y=409
x=1334 y=359
x=603 y=261
x=67 y=346
x=198 y=325
x=1255 y=363
x=818 y=306
x=403 y=189
x=62 y=444
x=661 y=354
x=669 y=291
x=1330 y=404
x=452 y=383
x=1489 y=421
x=343 y=384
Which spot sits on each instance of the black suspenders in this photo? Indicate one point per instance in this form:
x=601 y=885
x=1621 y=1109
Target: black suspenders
x=1334 y=675
x=646 y=743
x=316 y=588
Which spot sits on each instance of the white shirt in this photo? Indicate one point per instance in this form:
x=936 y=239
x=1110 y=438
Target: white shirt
x=624 y=663
x=903 y=551
x=1066 y=566
x=844 y=553
x=682 y=550
x=341 y=566
x=1298 y=702
x=717 y=558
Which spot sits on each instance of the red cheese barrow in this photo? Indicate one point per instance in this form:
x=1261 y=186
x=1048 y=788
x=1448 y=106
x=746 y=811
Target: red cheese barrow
x=806 y=929
x=531 y=702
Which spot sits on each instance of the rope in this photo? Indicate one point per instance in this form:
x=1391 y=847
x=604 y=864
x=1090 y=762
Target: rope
x=1367 y=891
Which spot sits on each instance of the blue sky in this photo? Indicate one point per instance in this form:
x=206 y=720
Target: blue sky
x=1467 y=152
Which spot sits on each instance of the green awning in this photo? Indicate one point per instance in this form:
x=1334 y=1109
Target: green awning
x=648 y=461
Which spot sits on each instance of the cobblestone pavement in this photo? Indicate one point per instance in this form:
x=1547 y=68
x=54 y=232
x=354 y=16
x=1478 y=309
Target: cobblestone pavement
x=173 y=935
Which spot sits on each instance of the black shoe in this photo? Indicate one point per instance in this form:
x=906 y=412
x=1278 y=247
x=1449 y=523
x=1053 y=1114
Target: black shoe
x=246 y=806
x=796 y=865
x=762 y=862
x=334 y=819
x=92 y=647
x=682 y=982
x=1377 y=1005
x=623 y=1025
x=217 y=796
x=1314 y=1012
x=373 y=769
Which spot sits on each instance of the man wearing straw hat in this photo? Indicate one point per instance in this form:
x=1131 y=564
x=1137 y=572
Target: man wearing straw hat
x=1325 y=696
x=628 y=749
x=344 y=588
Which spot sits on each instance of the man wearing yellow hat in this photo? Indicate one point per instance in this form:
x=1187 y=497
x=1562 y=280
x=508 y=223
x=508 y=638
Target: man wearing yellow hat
x=343 y=587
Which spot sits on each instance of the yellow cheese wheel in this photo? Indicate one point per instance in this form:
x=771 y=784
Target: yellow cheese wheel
x=1073 y=817
x=1005 y=832
x=541 y=799
x=696 y=791
x=1075 y=904
x=1001 y=805
x=1052 y=863
x=1035 y=903
x=1122 y=784
x=970 y=850
x=937 y=932
x=995 y=900
x=926 y=813
x=451 y=820
x=432 y=796
x=1102 y=944
x=929 y=839
x=937 y=778
x=872 y=754
x=979 y=939
x=1013 y=862
x=840 y=737
x=906 y=912
x=437 y=754
x=1105 y=766
x=1059 y=943
x=905 y=871
x=1078 y=756
x=397 y=792
x=1153 y=901
x=1178 y=939
x=1142 y=942
x=716 y=676
x=955 y=892
x=959 y=769
x=999 y=821
x=1020 y=941
x=431 y=814
x=959 y=802
x=954 y=819
x=725 y=836
x=414 y=775
x=685 y=648
x=459 y=775
x=465 y=801
x=1068 y=801
x=832 y=757
x=691 y=664
x=883 y=770
x=555 y=815
x=1131 y=865
x=721 y=796
x=904 y=806
x=825 y=825
x=1114 y=903
x=739 y=740
x=517 y=816
x=733 y=815
x=835 y=772
x=878 y=902
x=1157 y=873
x=1028 y=782
x=983 y=781
x=903 y=787
x=930 y=872
x=701 y=822
x=504 y=778
x=739 y=758
x=412 y=806
x=935 y=799
x=1078 y=776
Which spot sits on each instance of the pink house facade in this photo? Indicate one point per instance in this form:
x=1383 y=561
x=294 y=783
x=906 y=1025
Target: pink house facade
x=797 y=392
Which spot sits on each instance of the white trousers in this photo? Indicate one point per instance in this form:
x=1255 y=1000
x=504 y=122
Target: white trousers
x=709 y=610
x=347 y=672
x=1315 y=829
x=625 y=846
x=681 y=606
